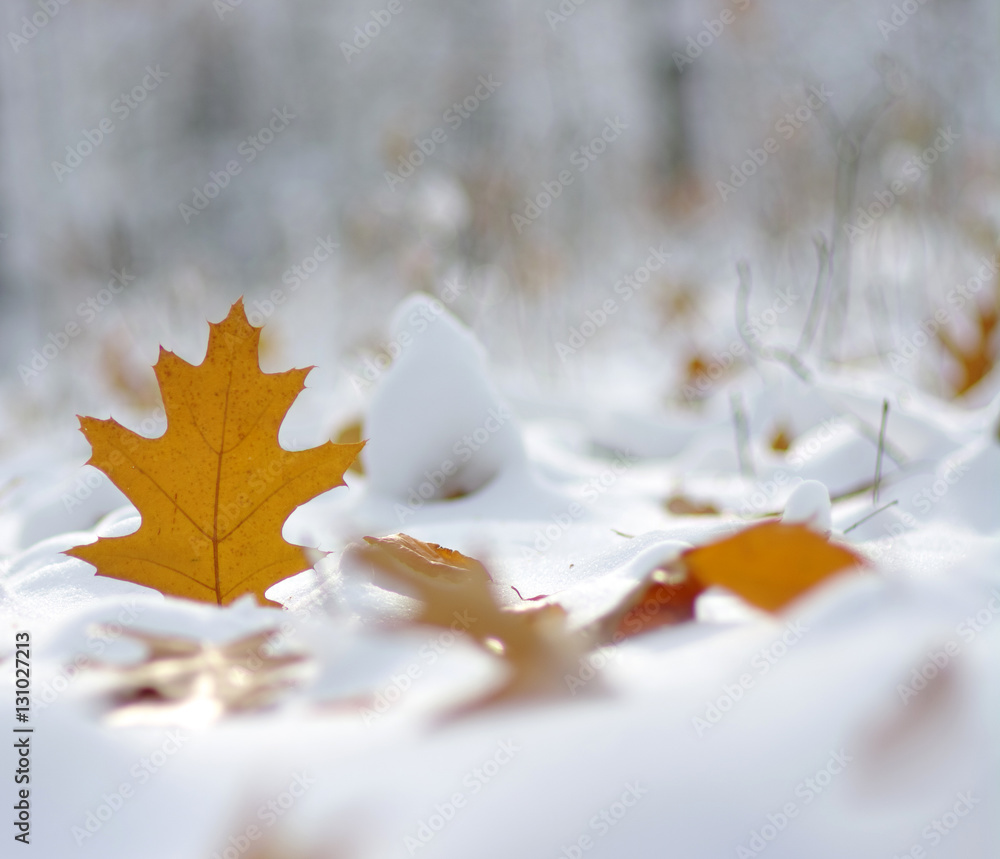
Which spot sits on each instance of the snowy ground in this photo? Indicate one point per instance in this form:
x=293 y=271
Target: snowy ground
x=570 y=364
x=809 y=733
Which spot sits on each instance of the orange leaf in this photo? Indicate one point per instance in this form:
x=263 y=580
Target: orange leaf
x=664 y=599
x=769 y=564
x=781 y=440
x=215 y=489
x=975 y=359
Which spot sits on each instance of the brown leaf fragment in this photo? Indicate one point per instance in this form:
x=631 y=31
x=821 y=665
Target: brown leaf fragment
x=454 y=591
x=977 y=358
x=352 y=433
x=781 y=440
x=666 y=598
x=681 y=505
x=181 y=676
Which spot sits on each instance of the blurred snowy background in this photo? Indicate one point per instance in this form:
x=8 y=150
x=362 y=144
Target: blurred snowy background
x=693 y=89
x=577 y=183
x=727 y=238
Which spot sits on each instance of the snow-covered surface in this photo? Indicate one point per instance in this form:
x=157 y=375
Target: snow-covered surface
x=524 y=420
x=796 y=733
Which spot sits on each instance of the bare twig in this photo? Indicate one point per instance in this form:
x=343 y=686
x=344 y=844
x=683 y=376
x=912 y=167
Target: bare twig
x=742 y=429
x=870 y=515
x=743 y=307
x=823 y=269
x=848 y=141
x=767 y=353
x=881 y=447
x=872 y=434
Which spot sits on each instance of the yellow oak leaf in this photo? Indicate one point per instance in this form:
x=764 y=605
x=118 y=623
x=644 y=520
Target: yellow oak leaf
x=769 y=564
x=215 y=489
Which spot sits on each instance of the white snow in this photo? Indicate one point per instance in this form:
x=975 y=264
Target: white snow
x=795 y=732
